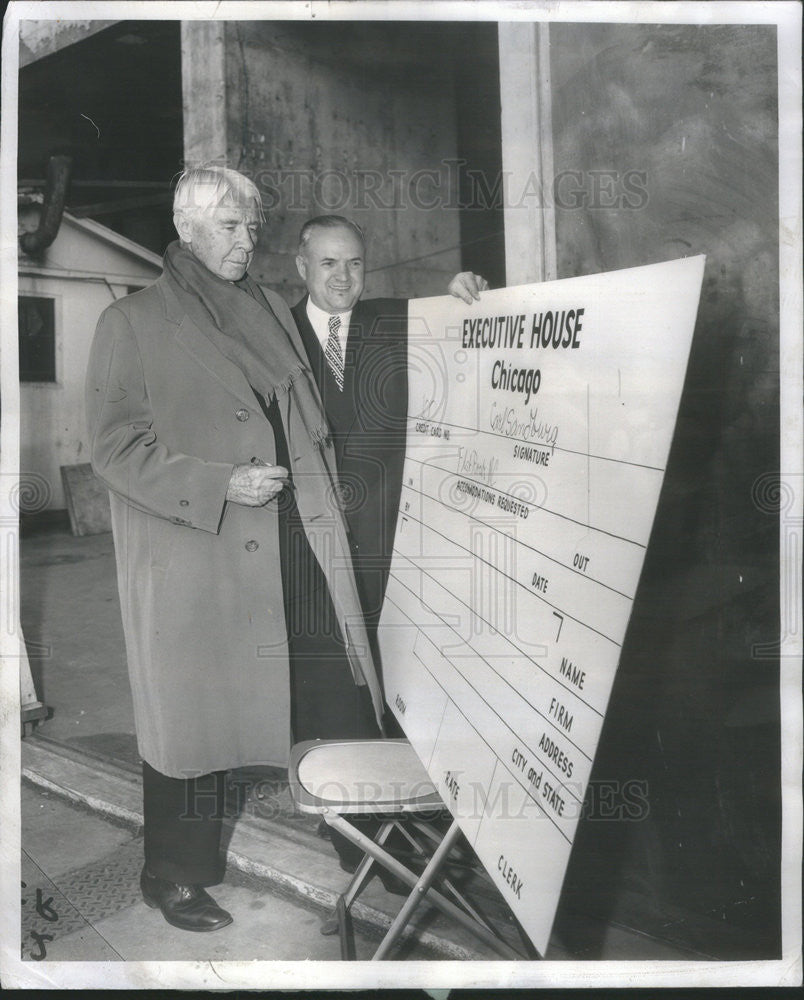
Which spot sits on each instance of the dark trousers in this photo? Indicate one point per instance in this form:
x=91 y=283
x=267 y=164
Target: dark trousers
x=183 y=820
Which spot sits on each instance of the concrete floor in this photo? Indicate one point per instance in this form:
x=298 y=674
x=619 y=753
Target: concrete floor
x=81 y=901
x=73 y=631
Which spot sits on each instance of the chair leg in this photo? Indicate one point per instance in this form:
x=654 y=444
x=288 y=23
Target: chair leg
x=355 y=887
x=421 y=886
x=332 y=925
x=447 y=883
x=345 y=931
x=418 y=894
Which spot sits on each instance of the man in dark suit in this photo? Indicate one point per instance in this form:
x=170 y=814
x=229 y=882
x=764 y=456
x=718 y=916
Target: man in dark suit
x=359 y=356
x=358 y=352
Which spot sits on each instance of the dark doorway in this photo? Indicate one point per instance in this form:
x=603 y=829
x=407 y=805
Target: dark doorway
x=112 y=102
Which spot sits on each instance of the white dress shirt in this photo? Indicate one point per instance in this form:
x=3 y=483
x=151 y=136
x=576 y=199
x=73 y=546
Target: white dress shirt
x=319 y=320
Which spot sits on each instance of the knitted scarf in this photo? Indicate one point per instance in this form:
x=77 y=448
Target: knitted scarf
x=242 y=325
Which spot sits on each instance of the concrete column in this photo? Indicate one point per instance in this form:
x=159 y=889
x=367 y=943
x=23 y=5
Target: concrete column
x=203 y=84
x=527 y=152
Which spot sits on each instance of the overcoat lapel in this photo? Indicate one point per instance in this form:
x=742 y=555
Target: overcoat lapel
x=354 y=345
x=315 y=355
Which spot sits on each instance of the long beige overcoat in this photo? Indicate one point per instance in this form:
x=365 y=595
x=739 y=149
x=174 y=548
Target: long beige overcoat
x=199 y=578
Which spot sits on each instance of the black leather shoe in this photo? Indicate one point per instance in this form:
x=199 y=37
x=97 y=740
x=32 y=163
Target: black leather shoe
x=186 y=906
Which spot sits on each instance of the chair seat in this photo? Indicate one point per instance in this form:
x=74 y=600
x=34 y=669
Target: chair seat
x=383 y=779
x=378 y=777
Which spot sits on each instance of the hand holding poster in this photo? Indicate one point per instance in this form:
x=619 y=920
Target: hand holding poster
x=539 y=425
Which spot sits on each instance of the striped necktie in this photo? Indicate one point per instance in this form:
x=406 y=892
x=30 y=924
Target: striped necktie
x=333 y=352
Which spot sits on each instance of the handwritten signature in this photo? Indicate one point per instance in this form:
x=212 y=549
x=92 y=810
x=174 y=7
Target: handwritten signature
x=471 y=464
x=506 y=420
x=429 y=409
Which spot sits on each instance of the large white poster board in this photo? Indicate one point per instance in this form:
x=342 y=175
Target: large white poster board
x=540 y=421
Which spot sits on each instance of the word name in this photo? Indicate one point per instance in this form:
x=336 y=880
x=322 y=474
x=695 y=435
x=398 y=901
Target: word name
x=573 y=674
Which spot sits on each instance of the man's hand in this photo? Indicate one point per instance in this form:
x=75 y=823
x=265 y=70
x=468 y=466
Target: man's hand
x=254 y=485
x=467 y=286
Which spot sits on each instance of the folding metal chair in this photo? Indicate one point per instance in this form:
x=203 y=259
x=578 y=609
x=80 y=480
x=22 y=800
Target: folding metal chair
x=384 y=780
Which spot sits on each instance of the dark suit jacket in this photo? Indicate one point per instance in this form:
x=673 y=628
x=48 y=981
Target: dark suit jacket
x=368 y=420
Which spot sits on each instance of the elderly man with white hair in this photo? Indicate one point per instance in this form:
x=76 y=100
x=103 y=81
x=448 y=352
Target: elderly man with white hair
x=207 y=427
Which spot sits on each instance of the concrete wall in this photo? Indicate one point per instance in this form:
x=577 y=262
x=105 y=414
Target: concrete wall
x=344 y=118
x=53 y=426
x=52 y=413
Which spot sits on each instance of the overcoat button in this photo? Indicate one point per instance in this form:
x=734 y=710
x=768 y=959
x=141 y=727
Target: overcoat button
x=184 y=503
x=252 y=546
x=242 y=415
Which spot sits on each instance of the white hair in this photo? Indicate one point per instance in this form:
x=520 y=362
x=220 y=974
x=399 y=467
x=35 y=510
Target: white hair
x=200 y=190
